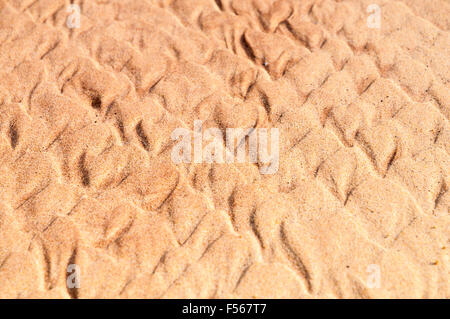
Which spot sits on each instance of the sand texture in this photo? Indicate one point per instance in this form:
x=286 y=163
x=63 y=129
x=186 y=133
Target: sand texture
x=358 y=208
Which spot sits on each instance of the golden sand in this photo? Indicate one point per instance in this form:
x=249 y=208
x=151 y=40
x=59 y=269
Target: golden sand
x=359 y=207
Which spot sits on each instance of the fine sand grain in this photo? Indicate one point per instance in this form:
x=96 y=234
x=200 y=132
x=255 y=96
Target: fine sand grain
x=359 y=204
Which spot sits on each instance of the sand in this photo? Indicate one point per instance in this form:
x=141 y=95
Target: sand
x=90 y=195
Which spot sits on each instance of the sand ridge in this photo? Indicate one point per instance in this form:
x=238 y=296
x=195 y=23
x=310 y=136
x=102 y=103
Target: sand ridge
x=358 y=208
